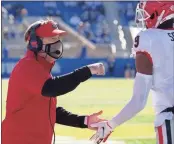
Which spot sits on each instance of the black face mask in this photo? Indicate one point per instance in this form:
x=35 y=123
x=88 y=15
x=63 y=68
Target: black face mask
x=54 y=50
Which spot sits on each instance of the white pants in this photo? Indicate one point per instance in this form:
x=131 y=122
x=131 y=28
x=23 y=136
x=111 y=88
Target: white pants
x=165 y=132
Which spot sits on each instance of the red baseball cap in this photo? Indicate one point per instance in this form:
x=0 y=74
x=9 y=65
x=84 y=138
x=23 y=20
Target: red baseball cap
x=49 y=29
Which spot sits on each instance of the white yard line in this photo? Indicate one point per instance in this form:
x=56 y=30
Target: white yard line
x=72 y=140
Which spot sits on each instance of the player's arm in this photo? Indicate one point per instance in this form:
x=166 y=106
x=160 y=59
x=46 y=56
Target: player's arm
x=142 y=82
x=142 y=86
x=144 y=64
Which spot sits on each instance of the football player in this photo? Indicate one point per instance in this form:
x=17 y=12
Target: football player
x=154 y=49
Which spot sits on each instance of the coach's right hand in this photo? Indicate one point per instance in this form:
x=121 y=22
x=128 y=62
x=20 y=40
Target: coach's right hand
x=97 y=69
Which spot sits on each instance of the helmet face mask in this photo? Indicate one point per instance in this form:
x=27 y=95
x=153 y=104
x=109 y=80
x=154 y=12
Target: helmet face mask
x=141 y=16
x=151 y=14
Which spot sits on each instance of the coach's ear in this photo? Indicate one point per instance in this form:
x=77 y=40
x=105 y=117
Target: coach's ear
x=144 y=63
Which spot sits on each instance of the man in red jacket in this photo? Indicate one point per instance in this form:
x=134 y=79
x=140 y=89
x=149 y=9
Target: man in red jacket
x=31 y=111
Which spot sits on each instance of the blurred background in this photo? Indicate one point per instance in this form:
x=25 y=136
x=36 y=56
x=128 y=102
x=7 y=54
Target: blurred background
x=97 y=32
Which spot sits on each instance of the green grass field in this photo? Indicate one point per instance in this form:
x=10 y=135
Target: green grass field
x=109 y=95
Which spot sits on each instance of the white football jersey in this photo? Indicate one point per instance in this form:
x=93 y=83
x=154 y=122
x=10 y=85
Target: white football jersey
x=159 y=44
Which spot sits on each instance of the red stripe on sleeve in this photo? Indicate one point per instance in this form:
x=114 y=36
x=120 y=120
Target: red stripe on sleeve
x=160 y=135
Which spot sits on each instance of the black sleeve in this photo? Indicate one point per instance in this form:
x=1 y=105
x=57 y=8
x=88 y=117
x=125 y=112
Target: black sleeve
x=63 y=84
x=66 y=118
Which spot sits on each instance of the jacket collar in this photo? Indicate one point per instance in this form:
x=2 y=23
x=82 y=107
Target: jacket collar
x=47 y=66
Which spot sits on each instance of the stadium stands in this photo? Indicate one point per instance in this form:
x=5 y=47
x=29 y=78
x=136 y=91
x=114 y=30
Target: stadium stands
x=87 y=18
x=126 y=11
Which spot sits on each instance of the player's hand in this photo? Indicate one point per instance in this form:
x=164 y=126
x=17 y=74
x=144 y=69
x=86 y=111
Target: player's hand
x=94 y=118
x=97 y=69
x=103 y=132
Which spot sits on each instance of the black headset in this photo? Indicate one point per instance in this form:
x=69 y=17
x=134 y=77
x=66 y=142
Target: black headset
x=35 y=43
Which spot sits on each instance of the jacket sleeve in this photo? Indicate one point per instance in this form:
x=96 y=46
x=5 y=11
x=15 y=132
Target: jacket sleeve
x=63 y=84
x=67 y=118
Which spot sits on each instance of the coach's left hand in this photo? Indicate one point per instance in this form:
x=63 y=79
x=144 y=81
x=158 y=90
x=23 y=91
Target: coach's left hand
x=94 y=118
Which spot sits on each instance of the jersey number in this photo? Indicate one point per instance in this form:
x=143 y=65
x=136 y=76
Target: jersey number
x=171 y=35
x=136 y=42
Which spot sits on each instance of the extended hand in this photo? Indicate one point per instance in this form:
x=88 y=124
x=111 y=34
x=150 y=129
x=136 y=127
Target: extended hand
x=94 y=118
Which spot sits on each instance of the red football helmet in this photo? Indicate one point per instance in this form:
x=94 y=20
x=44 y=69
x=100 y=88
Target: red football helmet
x=153 y=13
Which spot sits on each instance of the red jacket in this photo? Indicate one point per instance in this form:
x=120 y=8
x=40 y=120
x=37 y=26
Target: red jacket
x=27 y=118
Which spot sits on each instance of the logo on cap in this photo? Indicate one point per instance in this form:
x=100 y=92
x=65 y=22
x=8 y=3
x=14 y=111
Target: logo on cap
x=54 y=25
x=172 y=8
